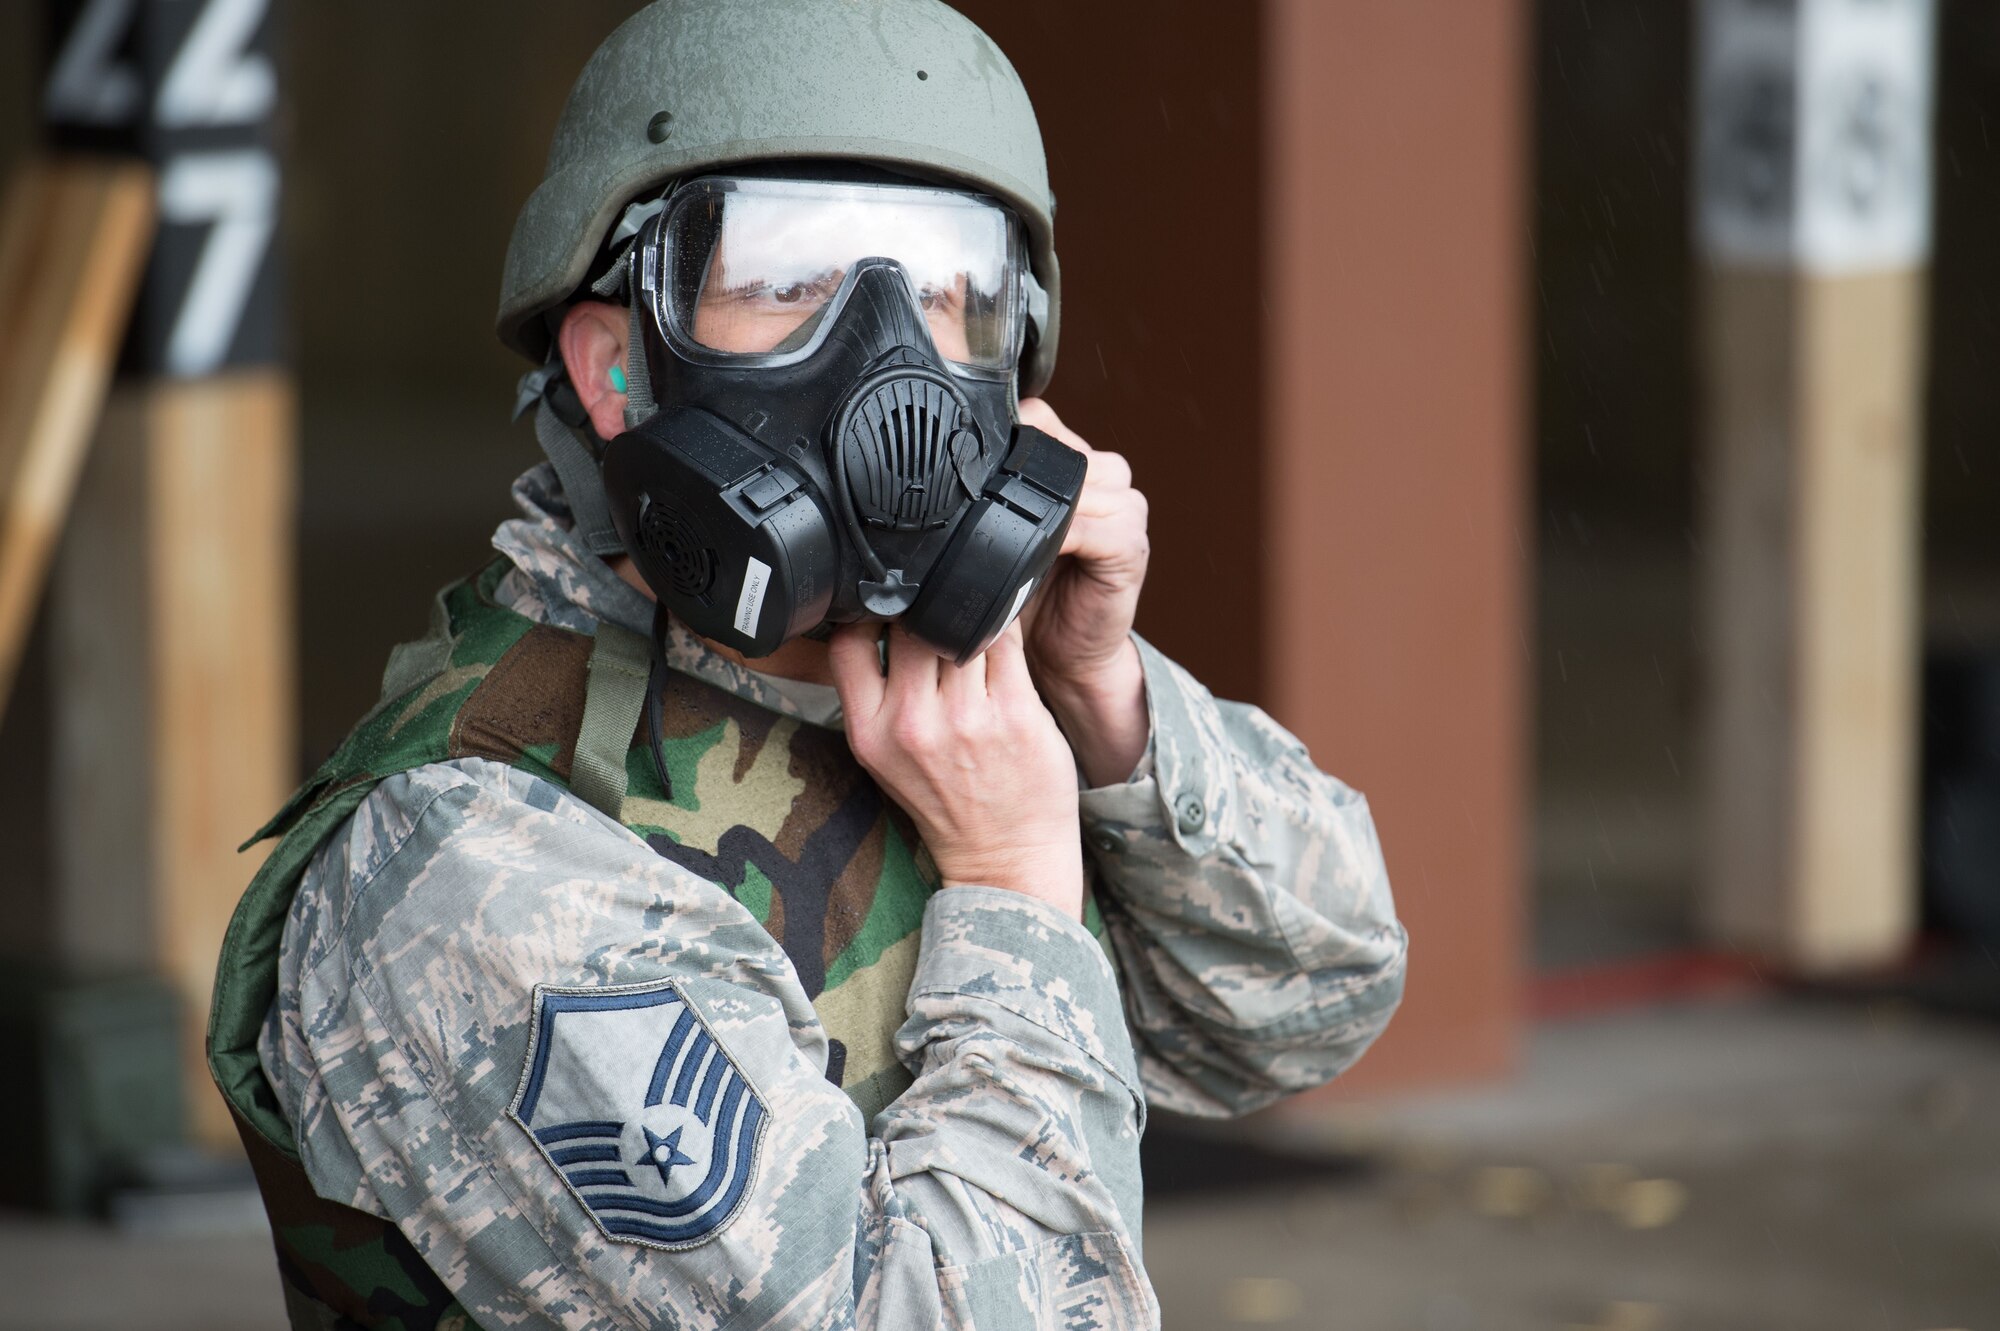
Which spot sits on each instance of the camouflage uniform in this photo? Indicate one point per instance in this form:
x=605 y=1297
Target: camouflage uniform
x=470 y=910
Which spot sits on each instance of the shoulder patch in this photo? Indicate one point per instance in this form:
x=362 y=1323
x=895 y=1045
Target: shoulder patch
x=640 y=1111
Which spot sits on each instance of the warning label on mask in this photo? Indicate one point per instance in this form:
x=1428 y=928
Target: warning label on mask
x=750 y=601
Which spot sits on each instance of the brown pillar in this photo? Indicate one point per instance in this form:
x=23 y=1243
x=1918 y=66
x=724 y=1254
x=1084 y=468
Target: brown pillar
x=1299 y=320
x=1150 y=118
x=1395 y=620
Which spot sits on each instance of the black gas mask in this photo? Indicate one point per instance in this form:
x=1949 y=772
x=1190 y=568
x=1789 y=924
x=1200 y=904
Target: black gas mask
x=837 y=438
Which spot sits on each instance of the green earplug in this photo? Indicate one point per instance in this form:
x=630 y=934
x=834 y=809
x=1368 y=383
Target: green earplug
x=618 y=378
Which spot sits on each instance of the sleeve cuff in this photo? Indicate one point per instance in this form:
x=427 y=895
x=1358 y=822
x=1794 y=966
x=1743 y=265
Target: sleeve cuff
x=1026 y=956
x=1181 y=788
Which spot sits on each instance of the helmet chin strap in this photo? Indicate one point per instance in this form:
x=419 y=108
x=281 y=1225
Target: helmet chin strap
x=569 y=449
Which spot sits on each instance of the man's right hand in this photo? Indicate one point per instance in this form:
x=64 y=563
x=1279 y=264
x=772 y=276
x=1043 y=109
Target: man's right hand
x=972 y=755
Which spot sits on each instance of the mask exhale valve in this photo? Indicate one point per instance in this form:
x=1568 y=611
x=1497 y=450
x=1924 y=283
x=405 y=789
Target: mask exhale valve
x=902 y=442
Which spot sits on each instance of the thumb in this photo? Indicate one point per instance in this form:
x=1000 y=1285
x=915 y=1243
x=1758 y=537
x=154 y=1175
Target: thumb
x=855 y=656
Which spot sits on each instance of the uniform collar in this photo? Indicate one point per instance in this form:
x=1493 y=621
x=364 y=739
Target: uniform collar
x=557 y=581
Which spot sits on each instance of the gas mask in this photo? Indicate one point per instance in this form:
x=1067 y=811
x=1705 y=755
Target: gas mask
x=837 y=440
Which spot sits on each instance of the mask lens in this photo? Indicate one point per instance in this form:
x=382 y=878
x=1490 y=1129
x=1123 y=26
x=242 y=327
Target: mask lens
x=750 y=262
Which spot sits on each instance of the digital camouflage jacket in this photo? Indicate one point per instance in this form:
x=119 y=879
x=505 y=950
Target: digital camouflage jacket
x=593 y=1071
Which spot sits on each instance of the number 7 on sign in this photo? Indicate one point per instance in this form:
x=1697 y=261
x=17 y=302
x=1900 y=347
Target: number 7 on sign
x=236 y=194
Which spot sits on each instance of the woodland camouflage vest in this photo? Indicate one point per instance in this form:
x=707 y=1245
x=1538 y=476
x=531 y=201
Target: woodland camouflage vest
x=774 y=810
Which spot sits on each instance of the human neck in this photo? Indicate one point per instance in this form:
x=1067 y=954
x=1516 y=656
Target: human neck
x=800 y=659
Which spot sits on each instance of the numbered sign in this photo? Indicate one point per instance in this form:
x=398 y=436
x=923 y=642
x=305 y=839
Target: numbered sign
x=190 y=84
x=1814 y=133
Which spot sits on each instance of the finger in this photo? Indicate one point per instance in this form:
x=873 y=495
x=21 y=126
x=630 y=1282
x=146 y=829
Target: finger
x=1007 y=666
x=1107 y=471
x=1036 y=412
x=963 y=686
x=913 y=668
x=855 y=656
x=1113 y=533
x=1082 y=533
x=1116 y=505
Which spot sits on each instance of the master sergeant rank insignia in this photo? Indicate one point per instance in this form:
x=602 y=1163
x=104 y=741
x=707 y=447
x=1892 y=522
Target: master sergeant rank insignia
x=641 y=1112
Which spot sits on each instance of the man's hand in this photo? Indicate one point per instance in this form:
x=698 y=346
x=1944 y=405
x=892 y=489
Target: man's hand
x=1079 y=626
x=973 y=757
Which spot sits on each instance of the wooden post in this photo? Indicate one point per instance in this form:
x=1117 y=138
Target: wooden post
x=172 y=624
x=1813 y=218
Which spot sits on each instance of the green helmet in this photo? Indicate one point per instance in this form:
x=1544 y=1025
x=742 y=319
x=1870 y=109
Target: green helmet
x=688 y=86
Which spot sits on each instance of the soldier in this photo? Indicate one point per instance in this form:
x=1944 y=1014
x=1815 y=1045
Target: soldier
x=651 y=955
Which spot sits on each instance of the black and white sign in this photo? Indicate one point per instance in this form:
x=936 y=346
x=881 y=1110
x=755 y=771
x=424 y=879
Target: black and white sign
x=191 y=85
x=1814 y=133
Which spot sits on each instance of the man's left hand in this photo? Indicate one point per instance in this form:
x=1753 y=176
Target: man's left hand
x=1079 y=627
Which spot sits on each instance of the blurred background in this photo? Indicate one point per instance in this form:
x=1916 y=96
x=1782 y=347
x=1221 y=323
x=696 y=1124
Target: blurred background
x=1574 y=418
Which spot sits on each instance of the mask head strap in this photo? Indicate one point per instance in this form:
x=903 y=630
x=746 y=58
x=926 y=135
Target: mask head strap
x=561 y=425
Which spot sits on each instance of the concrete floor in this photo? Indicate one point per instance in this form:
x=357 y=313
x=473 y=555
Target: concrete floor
x=66 y=1277
x=1754 y=1165
x=1749 y=1166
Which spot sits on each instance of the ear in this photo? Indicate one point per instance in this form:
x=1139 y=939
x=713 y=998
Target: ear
x=592 y=342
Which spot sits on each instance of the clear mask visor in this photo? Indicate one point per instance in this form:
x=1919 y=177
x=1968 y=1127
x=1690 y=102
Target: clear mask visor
x=749 y=263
